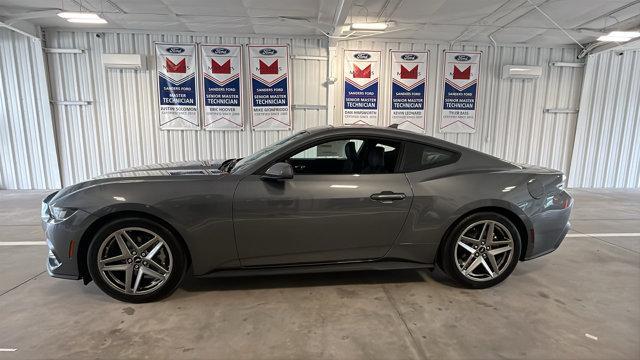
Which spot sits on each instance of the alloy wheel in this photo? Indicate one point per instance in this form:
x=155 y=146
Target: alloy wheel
x=484 y=250
x=135 y=261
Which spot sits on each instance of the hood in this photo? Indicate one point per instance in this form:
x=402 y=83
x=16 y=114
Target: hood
x=204 y=167
x=140 y=173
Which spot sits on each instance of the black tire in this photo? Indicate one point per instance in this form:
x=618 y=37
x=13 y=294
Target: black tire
x=175 y=246
x=448 y=255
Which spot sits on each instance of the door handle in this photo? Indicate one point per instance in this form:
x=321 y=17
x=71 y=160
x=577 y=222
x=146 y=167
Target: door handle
x=387 y=196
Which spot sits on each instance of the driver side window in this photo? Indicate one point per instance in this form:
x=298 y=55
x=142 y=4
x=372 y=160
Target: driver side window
x=347 y=156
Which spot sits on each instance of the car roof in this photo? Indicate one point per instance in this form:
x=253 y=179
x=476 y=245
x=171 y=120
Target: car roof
x=325 y=132
x=405 y=135
x=385 y=132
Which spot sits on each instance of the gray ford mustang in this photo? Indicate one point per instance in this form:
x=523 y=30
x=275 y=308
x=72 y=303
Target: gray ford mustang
x=325 y=199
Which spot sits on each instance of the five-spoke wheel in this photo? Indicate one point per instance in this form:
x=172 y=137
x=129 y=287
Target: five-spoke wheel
x=482 y=250
x=136 y=260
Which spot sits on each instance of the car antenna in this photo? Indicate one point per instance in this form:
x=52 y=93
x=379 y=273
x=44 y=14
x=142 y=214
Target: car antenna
x=393 y=126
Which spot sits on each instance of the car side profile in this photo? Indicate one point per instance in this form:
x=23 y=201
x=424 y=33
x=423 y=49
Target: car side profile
x=324 y=199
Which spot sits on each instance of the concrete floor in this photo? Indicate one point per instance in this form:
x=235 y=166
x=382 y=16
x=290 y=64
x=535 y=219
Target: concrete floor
x=545 y=310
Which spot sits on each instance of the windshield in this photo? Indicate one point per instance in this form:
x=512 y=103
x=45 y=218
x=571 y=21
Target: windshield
x=251 y=159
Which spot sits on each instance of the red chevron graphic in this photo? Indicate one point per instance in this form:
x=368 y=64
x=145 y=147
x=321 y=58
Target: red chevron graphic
x=361 y=73
x=269 y=69
x=408 y=74
x=220 y=69
x=461 y=75
x=180 y=67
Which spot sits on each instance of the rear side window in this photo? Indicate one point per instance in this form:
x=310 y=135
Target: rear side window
x=420 y=157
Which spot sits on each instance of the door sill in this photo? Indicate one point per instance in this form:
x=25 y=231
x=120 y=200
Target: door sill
x=318 y=268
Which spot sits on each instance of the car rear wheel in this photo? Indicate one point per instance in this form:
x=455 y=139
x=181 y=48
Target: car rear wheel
x=482 y=250
x=136 y=260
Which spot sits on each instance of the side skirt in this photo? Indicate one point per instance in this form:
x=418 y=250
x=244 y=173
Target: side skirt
x=307 y=269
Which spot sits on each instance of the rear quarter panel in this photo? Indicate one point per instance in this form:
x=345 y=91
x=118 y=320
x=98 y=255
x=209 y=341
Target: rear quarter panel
x=441 y=196
x=444 y=195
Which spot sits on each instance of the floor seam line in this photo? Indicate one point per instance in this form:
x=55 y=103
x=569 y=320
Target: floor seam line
x=616 y=219
x=22 y=283
x=419 y=350
x=606 y=242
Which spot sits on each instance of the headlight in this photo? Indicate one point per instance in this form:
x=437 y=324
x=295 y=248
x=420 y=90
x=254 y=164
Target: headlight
x=60 y=213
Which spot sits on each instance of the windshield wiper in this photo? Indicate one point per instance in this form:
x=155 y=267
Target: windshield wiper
x=228 y=164
x=225 y=165
x=233 y=163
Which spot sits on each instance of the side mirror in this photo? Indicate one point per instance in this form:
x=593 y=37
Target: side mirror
x=278 y=171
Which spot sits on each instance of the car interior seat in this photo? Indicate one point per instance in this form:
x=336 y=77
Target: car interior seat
x=375 y=161
x=353 y=163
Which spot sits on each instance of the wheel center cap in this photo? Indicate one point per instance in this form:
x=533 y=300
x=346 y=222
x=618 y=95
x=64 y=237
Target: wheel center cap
x=482 y=249
x=137 y=260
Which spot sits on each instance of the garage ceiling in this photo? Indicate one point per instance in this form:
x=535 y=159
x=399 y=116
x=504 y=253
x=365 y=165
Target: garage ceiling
x=508 y=21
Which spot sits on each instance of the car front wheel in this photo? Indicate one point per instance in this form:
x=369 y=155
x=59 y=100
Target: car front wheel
x=482 y=250
x=136 y=260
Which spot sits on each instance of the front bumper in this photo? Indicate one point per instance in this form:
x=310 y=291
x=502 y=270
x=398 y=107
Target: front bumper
x=63 y=239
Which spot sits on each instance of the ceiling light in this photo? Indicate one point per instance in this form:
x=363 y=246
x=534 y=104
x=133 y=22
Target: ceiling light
x=82 y=17
x=78 y=15
x=628 y=34
x=373 y=26
x=87 y=21
x=619 y=36
x=613 y=38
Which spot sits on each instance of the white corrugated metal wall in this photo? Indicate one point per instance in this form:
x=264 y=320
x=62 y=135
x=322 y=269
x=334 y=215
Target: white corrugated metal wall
x=120 y=127
x=607 y=147
x=27 y=143
x=511 y=122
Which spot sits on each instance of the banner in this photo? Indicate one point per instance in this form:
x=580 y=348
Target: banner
x=221 y=86
x=459 y=101
x=270 y=87
x=361 y=75
x=176 y=66
x=408 y=85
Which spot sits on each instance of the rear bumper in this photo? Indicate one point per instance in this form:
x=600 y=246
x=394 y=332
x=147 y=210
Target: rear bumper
x=549 y=246
x=550 y=226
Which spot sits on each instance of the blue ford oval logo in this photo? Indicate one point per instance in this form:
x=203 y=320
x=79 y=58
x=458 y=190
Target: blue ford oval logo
x=175 y=50
x=268 y=51
x=220 y=51
x=361 y=56
x=409 y=57
x=462 y=57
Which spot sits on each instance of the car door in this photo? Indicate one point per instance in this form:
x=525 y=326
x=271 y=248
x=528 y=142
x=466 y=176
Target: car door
x=342 y=204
